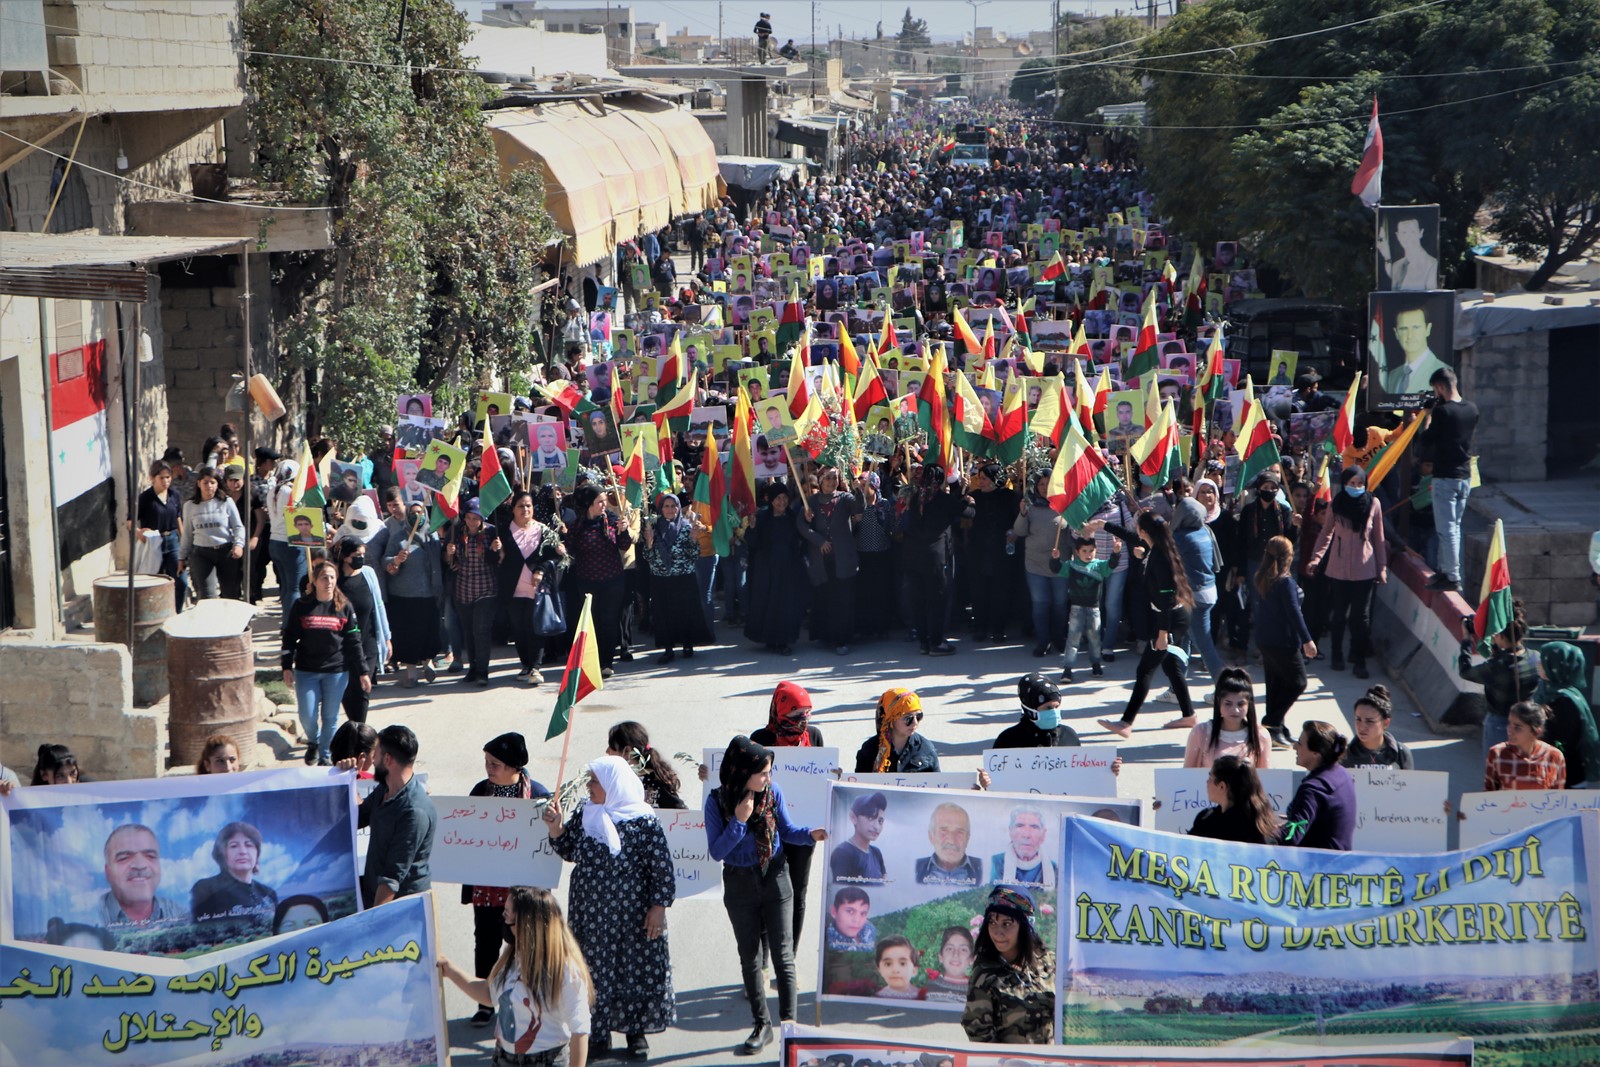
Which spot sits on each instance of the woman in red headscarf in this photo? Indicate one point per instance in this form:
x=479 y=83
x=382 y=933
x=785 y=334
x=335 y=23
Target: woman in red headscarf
x=789 y=726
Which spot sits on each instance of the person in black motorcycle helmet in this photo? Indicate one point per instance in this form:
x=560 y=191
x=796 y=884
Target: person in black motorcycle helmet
x=1041 y=725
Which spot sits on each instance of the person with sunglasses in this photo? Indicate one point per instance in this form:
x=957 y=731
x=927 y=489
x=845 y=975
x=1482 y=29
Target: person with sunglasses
x=898 y=747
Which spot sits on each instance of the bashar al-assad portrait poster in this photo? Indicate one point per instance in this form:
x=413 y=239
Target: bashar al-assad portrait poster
x=1408 y=248
x=1409 y=336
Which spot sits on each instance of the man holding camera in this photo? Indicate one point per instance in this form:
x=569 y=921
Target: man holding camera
x=1446 y=436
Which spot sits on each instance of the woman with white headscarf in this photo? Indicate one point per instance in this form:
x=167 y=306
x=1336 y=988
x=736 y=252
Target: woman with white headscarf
x=288 y=562
x=623 y=882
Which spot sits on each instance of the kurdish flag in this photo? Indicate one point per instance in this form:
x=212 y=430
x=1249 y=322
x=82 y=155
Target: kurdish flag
x=791 y=320
x=1080 y=482
x=1053 y=269
x=633 y=474
x=1008 y=433
x=1257 y=450
x=799 y=390
x=674 y=412
x=931 y=411
x=1146 y=352
x=849 y=362
x=711 y=492
x=563 y=394
x=1080 y=343
x=1494 y=597
x=1324 y=487
x=971 y=426
x=616 y=396
x=1083 y=398
x=968 y=338
x=493 y=486
x=1156 y=450
x=742 y=491
x=582 y=675
x=1344 y=427
x=1054 y=413
x=672 y=369
x=307 y=489
x=869 y=389
x=1213 y=375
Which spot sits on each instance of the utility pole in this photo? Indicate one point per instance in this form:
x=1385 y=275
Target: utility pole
x=811 y=60
x=975 y=5
x=1055 y=30
x=722 y=49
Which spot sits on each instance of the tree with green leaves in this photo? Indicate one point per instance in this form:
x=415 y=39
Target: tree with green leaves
x=1032 y=78
x=912 y=38
x=1095 y=69
x=428 y=283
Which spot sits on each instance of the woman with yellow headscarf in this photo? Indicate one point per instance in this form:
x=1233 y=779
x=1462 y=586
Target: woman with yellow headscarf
x=898 y=747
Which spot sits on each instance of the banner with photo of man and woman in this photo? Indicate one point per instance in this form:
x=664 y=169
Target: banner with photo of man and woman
x=907 y=875
x=178 y=866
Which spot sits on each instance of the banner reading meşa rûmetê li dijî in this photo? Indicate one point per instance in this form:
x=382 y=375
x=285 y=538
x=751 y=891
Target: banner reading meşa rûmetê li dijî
x=1173 y=939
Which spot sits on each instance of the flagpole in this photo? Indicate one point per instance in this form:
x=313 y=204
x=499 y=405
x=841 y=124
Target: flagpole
x=566 y=735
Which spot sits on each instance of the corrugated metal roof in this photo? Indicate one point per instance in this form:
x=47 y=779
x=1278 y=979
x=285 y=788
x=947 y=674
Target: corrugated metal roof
x=45 y=250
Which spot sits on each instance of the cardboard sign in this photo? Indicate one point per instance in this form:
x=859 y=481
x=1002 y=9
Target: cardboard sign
x=1400 y=811
x=802 y=775
x=698 y=875
x=1487 y=816
x=1181 y=794
x=1083 y=772
x=938 y=780
x=494 y=841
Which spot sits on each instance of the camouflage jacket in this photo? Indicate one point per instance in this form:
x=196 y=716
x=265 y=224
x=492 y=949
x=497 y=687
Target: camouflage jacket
x=1010 y=1005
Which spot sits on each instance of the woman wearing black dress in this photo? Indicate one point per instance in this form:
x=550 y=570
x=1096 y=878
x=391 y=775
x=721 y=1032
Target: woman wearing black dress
x=776 y=589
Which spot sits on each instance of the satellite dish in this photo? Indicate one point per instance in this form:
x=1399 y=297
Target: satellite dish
x=1024 y=48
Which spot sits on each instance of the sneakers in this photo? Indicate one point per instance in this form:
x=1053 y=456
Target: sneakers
x=1165 y=697
x=483 y=1017
x=533 y=677
x=606 y=672
x=311 y=753
x=1066 y=675
x=1097 y=670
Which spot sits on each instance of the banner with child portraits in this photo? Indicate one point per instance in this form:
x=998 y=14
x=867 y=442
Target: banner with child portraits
x=177 y=866
x=1172 y=939
x=908 y=874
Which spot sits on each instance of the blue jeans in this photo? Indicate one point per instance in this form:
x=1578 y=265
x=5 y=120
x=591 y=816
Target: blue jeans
x=169 y=567
x=1049 y=596
x=1083 y=627
x=1116 y=585
x=1494 y=732
x=318 y=694
x=705 y=575
x=1200 y=640
x=1449 y=508
x=289 y=564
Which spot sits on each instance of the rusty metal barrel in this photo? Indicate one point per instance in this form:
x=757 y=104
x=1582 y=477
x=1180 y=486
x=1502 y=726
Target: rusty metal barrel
x=149 y=603
x=212 y=674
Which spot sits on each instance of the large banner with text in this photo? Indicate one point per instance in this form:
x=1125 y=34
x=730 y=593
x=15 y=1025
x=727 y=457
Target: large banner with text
x=363 y=989
x=1175 y=939
x=804 y=1046
x=178 y=866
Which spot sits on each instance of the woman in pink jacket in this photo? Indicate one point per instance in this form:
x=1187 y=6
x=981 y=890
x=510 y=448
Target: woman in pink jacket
x=1356 y=558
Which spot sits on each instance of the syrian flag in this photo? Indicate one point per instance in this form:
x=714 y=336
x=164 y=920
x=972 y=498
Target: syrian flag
x=582 y=675
x=80 y=429
x=1368 y=183
x=1079 y=483
x=1494 y=597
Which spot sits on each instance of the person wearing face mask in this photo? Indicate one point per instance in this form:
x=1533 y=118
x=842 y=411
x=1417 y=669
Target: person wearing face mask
x=359 y=585
x=1357 y=559
x=1040 y=725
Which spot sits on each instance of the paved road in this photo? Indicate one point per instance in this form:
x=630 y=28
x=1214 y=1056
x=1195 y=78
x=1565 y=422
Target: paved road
x=694 y=703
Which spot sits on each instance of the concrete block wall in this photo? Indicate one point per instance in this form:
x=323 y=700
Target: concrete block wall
x=1549 y=573
x=77 y=694
x=1508 y=377
x=203 y=347
x=153 y=47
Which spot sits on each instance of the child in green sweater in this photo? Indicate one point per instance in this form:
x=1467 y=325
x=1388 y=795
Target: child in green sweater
x=1086 y=581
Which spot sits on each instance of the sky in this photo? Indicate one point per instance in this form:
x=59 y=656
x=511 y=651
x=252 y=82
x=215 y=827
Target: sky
x=947 y=19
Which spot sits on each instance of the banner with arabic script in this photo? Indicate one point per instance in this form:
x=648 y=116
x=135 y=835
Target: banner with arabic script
x=178 y=866
x=364 y=989
x=804 y=1046
x=1177 y=939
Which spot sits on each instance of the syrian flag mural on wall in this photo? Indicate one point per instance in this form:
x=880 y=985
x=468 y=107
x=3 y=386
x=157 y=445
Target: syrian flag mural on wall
x=80 y=448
